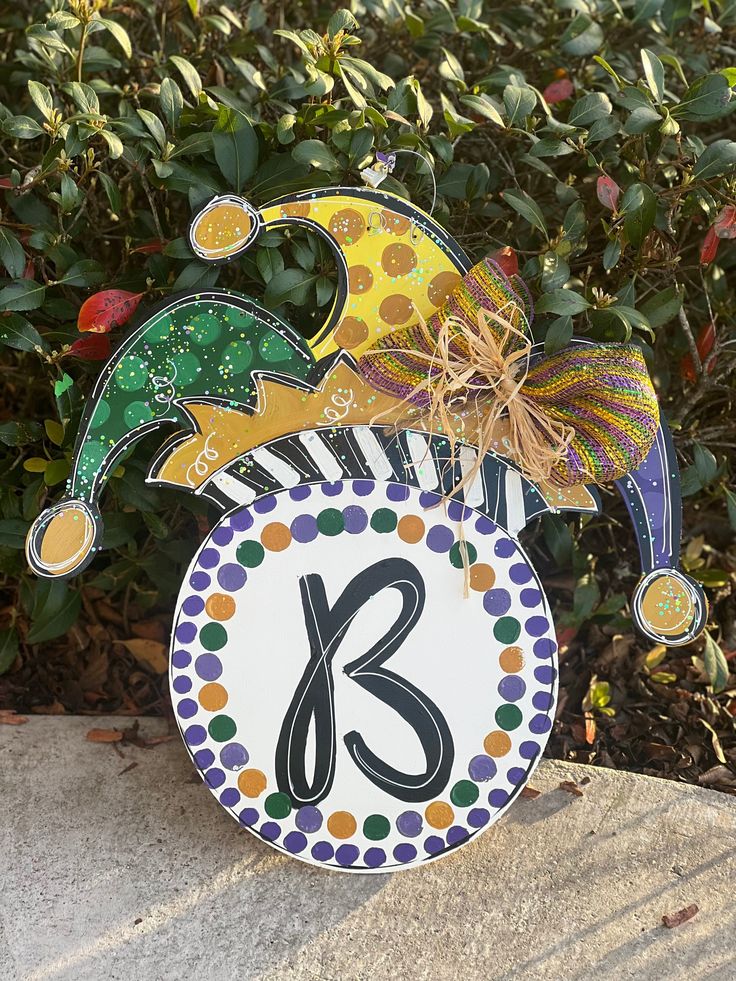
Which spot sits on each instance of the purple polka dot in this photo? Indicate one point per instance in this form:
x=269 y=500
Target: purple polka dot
x=516 y=774
x=295 y=842
x=229 y=797
x=456 y=834
x=544 y=648
x=355 y=518
x=347 y=854
x=478 y=817
x=186 y=632
x=192 y=605
x=543 y=701
x=485 y=526
x=241 y=521
x=528 y=750
x=208 y=558
x=195 y=735
x=232 y=576
x=429 y=500
x=270 y=830
x=204 y=758
x=363 y=487
x=397 y=492
x=304 y=528
x=187 y=708
x=530 y=597
x=308 y=819
x=222 y=535
x=208 y=667
x=180 y=659
x=248 y=816
x=263 y=505
x=234 y=756
x=405 y=852
x=322 y=851
x=440 y=538
x=300 y=493
x=433 y=844
x=409 y=824
x=497 y=602
x=520 y=573
x=540 y=724
x=504 y=548
x=214 y=777
x=545 y=674
x=497 y=798
x=481 y=768
x=182 y=685
x=332 y=489
x=199 y=581
x=374 y=857
x=511 y=688
x=536 y=626
x=458 y=512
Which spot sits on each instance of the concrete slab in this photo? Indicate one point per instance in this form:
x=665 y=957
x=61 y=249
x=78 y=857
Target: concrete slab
x=118 y=872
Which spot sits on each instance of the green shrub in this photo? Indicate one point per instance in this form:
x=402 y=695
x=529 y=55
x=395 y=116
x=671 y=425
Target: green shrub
x=591 y=137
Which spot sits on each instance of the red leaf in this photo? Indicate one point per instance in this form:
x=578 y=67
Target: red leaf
x=507 y=260
x=705 y=343
x=6 y=182
x=558 y=91
x=709 y=247
x=106 y=310
x=150 y=248
x=725 y=224
x=608 y=191
x=671 y=920
x=92 y=347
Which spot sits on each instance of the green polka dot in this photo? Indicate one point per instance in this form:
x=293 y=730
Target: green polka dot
x=330 y=522
x=236 y=357
x=131 y=374
x=213 y=636
x=250 y=554
x=278 y=805
x=376 y=827
x=508 y=717
x=384 y=520
x=463 y=548
x=137 y=414
x=160 y=331
x=205 y=329
x=506 y=630
x=187 y=368
x=92 y=455
x=240 y=320
x=464 y=793
x=274 y=348
x=100 y=415
x=222 y=728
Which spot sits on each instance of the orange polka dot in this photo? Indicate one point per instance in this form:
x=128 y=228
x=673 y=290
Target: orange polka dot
x=296 y=210
x=341 y=824
x=395 y=224
x=220 y=606
x=347 y=226
x=360 y=279
x=350 y=332
x=441 y=286
x=411 y=529
x=252 y=783
x=213 y=697
x=497 y=743
x=439 y=814
x=275 y=537
x=396 y=309
x=482 y=577
x=511 y=660
x=398 y=259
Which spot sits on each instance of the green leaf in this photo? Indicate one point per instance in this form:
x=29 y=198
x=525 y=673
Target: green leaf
x=590 y=108
x=558 y=336
x=341 y=20
x=716 y=665
x=8 y=649
x=717 y=159
x=23 y=294
x=663 y=306
x=639 y=206
x=583 y=37
x=236 y=147
x=731 y=505
x=519 y=102
x=565 y=303
x=22 y=128
x=12 y=255
x=154 y=126
x=189 y=73
x=172 y=102
x=654 y=73
x=20 y=433
x=707 y=98
x=289 y=286
x=484 y=106
x=13 y=533
x=18 y=333
x=56 y=608
x=527 y=207
x=42 y=99
x=316 y=154
x=86 y=272
x=120 y=35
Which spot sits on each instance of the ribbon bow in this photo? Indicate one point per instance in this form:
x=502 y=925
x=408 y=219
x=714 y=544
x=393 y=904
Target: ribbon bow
x=585 y=414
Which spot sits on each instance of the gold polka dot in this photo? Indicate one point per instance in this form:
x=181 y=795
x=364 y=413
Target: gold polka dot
x=296 y=210
x=360 y=279
x=497 y=743
x=398 y=259
x=213 y=697
x=220 y=606
x=341 y=824
x=411 y=529
x=667 y=606
x=275 y=537
x=347 y=226
x=396 y=309
x=395 y=224
x=350 y=332
x=439 y=814
x=252 y=783
x=511 y=660
x=222 y=230
x=441 y=286
x=482 y=577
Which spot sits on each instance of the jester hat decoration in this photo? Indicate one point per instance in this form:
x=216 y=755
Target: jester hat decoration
x=341 y=693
